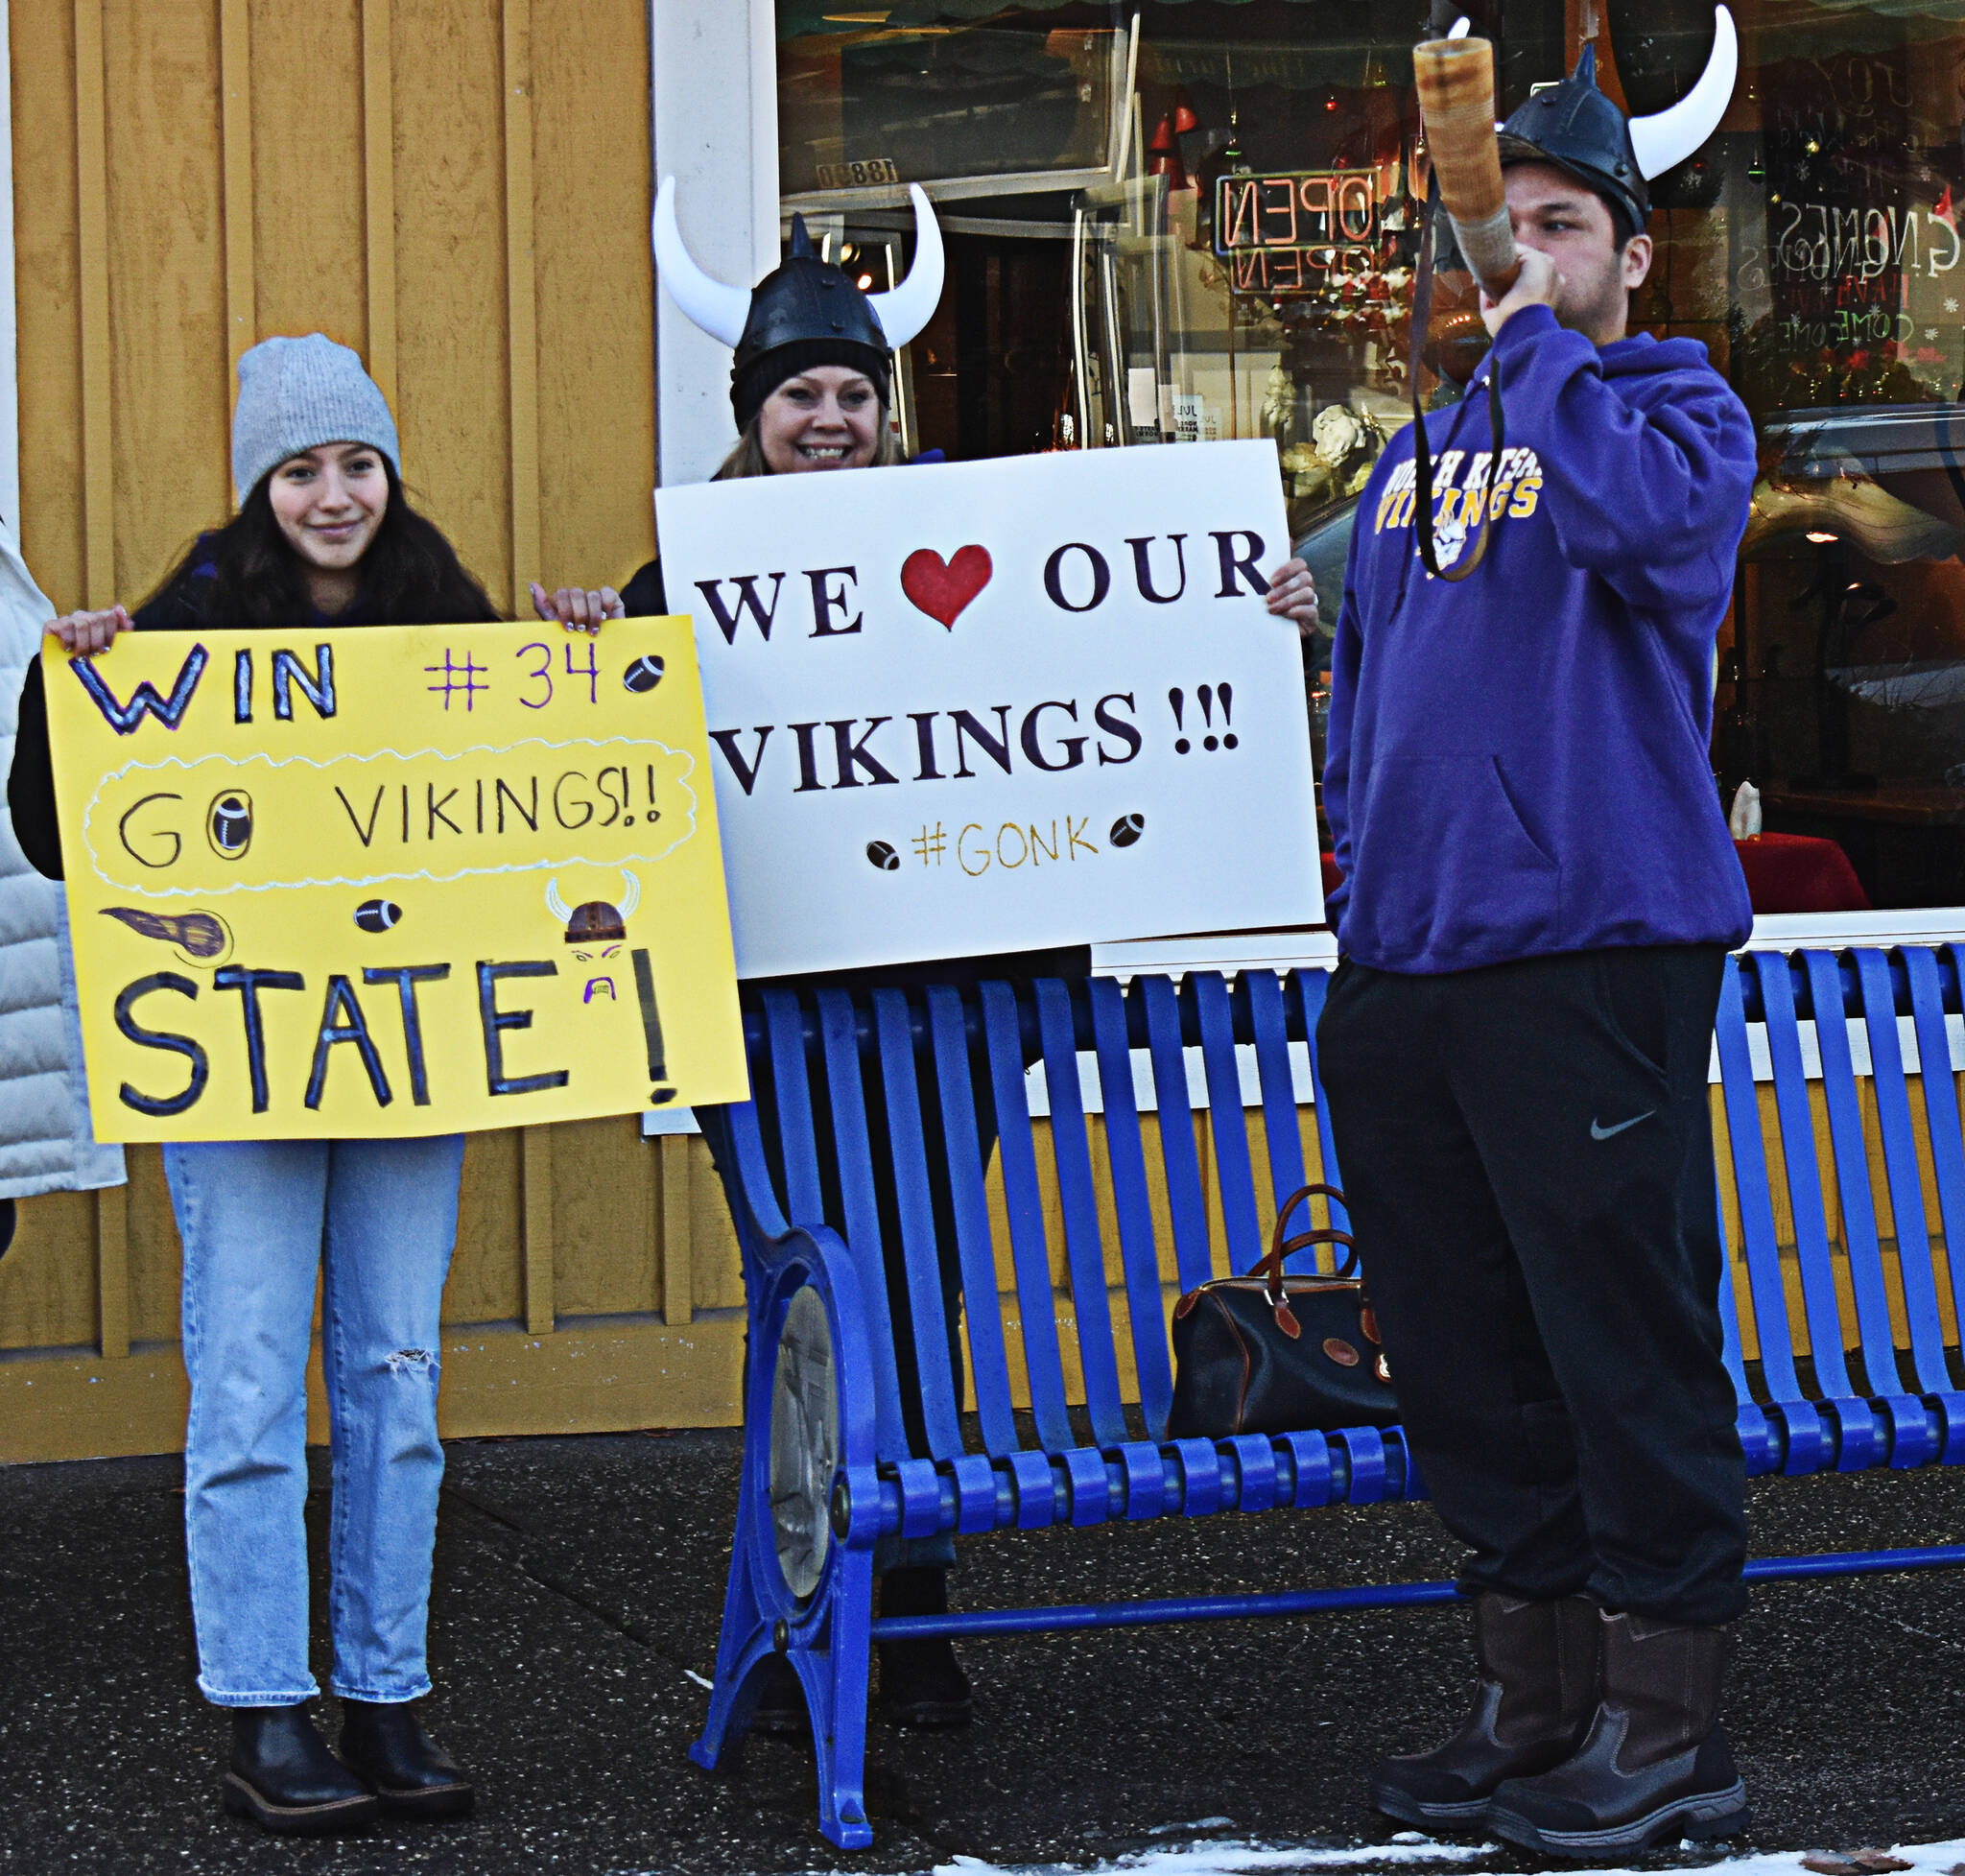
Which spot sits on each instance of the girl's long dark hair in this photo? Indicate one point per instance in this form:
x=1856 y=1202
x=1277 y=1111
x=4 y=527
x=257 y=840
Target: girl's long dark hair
x=247 y=574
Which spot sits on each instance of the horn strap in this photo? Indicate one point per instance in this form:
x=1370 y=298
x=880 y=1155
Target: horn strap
x=1422 y=453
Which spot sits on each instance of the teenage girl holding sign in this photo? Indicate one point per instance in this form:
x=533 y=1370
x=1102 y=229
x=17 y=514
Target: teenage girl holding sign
x=323 y=536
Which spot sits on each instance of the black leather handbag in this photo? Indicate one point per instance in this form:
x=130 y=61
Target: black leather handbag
x=1275 y=1353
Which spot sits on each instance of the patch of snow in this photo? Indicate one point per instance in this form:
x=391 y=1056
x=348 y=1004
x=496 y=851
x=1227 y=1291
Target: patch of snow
x=699 y=1679
x=1220 y=1859
x=1408 y=1848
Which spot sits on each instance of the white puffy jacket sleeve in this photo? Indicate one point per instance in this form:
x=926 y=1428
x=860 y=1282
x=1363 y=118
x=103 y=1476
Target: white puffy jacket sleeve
x=46 y=1141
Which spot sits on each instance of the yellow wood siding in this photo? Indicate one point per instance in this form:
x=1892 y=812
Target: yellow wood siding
x=460 y=190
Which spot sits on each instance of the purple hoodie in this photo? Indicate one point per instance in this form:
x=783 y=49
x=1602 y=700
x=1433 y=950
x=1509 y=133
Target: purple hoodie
x=1518 y=761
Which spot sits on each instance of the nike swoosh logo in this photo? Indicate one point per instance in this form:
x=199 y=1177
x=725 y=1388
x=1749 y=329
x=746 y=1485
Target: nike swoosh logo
x=1598 y=1131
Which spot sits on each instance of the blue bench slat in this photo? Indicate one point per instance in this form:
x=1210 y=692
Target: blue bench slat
x=1036 y=1489
x=1850 y=1424
x=1311 y=987
x=1030 y=1254
x=1125 y=1153
x=988 y=1358
x=1918 y=1279
x=794 y=1087
x=1936 y=1428
x=1875 y=1335
x=1806 y=1444
x=1756 y=1200
x=1941 y=1109
x=1084 y=1251
x=1909 y=1437
x=1146 y=1469
x=1729 y=1310
x=1179 y=1158
x=840 y=1044
x=1924 y=984
x=1804 y=1173
x=980 y=1506
x=1227 y=1125
x=1269 y=1023
x=894 y=1033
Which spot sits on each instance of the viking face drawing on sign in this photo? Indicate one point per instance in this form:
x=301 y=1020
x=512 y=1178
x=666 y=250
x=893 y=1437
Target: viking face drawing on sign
x=598 y=928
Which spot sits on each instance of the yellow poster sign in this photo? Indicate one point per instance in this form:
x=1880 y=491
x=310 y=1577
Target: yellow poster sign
x=404 y=880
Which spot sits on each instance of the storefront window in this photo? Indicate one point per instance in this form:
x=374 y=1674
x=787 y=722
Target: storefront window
x=1189 y=219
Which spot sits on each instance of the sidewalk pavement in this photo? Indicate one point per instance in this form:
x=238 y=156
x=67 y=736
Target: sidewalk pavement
x=578 y=1585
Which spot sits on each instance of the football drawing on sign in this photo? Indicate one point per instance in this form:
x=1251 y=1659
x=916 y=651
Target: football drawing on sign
x=229 y=823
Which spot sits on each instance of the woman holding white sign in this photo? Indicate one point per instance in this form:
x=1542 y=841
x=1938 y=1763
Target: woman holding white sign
x=322 y=535
x=811 y=388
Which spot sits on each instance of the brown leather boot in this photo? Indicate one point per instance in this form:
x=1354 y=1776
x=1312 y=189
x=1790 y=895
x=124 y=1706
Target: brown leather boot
x=1655 y=1762
x=1536 y=1693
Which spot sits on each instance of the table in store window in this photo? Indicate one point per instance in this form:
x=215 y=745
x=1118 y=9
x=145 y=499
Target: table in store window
x=1909 y=829
x=1799 y=873
x=1784 y=873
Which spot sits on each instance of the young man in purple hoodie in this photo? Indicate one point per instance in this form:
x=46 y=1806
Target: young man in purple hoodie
x=1539 y=894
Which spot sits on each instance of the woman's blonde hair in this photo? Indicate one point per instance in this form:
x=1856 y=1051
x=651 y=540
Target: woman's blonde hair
x=747 y=458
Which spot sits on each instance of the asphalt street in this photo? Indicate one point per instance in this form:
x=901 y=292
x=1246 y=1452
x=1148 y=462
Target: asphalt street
x=579 y=1583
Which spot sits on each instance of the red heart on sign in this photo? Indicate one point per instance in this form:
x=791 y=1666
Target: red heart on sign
x=941 y=589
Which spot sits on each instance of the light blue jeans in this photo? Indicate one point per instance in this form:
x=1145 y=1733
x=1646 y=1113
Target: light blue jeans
x=258 y=1220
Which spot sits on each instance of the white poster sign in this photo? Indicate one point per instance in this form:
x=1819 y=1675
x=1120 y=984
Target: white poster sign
x=991 y=706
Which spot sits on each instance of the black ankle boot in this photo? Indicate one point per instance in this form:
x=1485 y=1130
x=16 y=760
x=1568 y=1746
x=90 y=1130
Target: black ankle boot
x=1537 y=1690
x=285 y=1779
x=383 y=1744
x=1655 y=1762
x=921 y=1682
x=780 y=1710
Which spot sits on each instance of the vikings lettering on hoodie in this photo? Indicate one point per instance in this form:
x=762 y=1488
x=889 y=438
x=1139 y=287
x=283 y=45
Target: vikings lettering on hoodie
x=1517 y=761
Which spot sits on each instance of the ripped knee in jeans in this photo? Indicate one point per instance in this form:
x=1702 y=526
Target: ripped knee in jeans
x=412 y=1361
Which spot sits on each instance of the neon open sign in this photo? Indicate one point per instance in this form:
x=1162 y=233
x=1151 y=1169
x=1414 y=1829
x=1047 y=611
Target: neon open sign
x=1297 y=231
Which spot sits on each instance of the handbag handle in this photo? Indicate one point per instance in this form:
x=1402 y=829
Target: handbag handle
x=1283 y=1246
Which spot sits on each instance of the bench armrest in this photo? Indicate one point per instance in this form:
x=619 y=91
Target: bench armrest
x=760 y=1210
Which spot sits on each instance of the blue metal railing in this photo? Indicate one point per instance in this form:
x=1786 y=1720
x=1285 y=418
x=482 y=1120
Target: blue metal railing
x=1363 y=1596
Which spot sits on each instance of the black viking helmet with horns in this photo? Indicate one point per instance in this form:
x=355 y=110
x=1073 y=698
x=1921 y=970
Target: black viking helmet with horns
x=804 y=312
x=1575 y=127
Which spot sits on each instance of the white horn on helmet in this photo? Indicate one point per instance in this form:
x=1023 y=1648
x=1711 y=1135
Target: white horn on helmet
x=911 y=306
x=719 y=310
x=555 y=904
x=1670 y=136
x=631 y=894
x=1460 y=29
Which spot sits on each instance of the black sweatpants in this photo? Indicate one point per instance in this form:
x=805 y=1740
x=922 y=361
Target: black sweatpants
x=1527 y=1155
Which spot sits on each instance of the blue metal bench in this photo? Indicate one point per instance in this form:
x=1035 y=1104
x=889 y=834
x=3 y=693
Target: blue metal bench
x=827 y=1468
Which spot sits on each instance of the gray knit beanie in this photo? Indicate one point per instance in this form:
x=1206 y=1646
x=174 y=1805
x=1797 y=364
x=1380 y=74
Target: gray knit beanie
x=296 y=394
